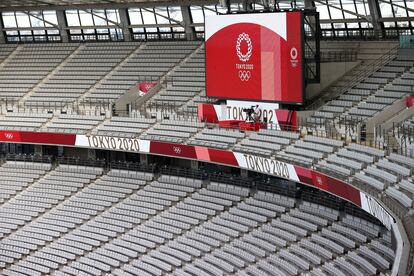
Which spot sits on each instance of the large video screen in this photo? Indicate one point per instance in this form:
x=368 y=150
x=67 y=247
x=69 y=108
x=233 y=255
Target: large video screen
x=255 y=57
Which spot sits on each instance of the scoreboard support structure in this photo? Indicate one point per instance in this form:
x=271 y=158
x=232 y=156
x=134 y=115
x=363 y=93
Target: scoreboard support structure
x=312 y=41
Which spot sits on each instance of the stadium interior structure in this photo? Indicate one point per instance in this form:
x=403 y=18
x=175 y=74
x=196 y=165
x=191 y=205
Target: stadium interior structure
x=108 y=166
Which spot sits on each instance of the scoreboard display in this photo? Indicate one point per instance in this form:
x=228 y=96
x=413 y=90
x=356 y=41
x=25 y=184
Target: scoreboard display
x=255 y=57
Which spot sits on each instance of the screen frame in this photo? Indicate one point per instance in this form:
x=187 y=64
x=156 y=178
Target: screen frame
x=303 y=76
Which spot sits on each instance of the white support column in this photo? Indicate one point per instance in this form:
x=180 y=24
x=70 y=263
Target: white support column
x=2 y=36
x=91 y=154
x=310 y=5
x=143 y=159
x=38 y=150
x=189 y=31
x=194 y=164
x=61 y=19
x=375 y=16
x=247 y=5
x=123 y=15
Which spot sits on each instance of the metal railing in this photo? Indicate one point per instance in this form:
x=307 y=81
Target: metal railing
x=28 y=158
x=125 y=165
x=354 y=130
x=370 y=69
x=81 y=162
x=404 y=137
x=362 y=75
x=339 y=56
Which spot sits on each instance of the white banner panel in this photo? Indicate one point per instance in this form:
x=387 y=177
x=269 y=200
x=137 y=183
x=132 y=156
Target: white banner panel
x=113 y=143
x=234 y=110
x=267 y=166
x=273 y=21
x=370 y=205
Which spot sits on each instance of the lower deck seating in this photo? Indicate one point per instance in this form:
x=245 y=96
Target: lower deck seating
x=79 y=124
x=371 y=95
x=176 y=131
x=186 y=81
x=76 y=220
x=266 y=142
x=27 y=121
x=216 y=138
x=124 y=126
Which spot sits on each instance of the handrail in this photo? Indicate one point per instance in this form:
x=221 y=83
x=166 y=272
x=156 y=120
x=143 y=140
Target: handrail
x=377 y=64
x=363 y=74
x=339 y=56
x=381 y=140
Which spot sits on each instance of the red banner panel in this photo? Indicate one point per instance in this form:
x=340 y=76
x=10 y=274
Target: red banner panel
x=37 y=137
x=255 y=57
x=144 y=87
x=409 y=101
x=222 y=156
x=173 y=149
x=329 y=184
x=287 y=119
x=207 y=113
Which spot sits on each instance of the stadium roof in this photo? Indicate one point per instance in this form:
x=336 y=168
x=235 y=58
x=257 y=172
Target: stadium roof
x=35 y=20
x=39 y=3
x=65 y=4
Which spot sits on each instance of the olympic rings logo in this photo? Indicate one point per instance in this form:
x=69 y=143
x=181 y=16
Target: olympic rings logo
x=244 y=75
x=177 y=150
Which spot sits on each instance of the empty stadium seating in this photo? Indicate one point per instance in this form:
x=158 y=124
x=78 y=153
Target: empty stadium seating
x=373 y=94
x=72 y=123
x=369 y=167
x=76 y=220
x=266 y=142
x=28 y=121
x=87 y=65
x=29 y=65
x=185 y=82
x=124 y=126
x=150 y=62
x=173 y=130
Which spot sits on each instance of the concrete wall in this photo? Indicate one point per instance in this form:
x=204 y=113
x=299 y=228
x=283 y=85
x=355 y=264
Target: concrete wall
x=130 y=96
x=303 y=115
x=330 y=72
x=400 y=117
x=406 y=52
x=385 y=115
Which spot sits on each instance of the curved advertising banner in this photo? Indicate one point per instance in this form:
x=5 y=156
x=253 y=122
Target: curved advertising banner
x=259 y=164
x=255 y=57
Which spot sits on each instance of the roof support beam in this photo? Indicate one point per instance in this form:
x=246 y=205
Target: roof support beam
x=41 y=18
x=397 y=5
x=343 y=10
x=102 y=17
x=109 y=5
x=166 y=17
x=396 y=19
